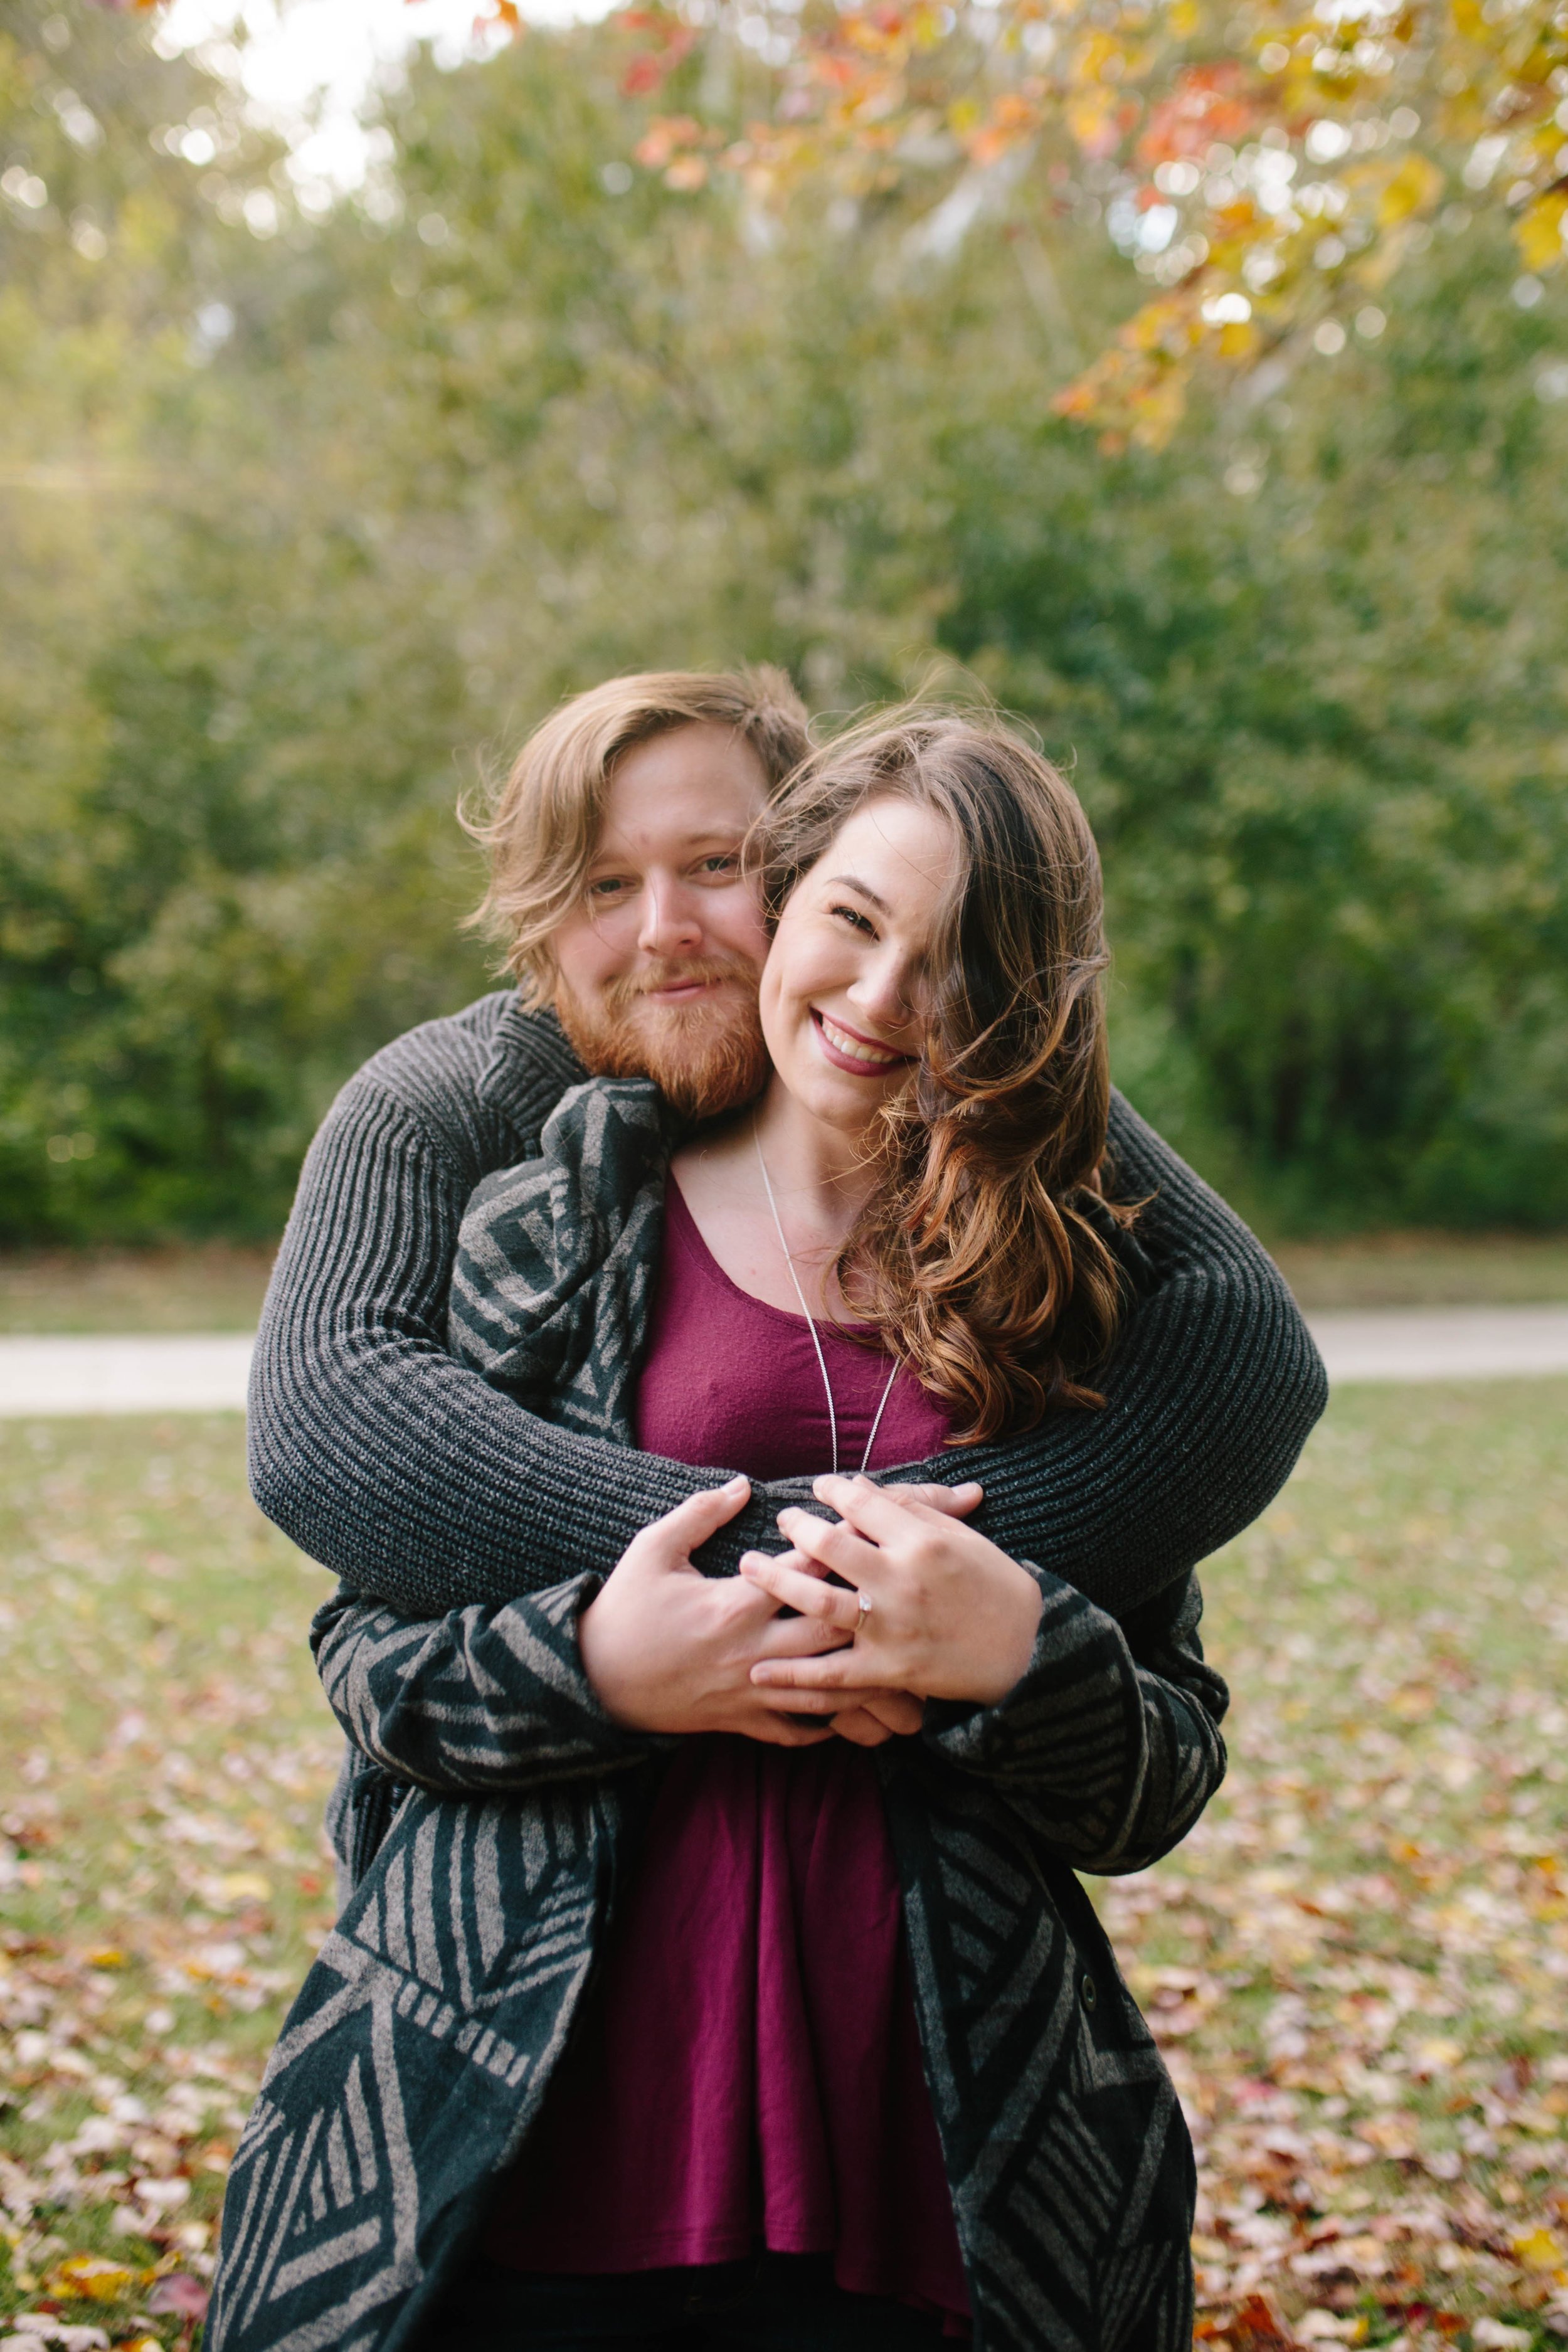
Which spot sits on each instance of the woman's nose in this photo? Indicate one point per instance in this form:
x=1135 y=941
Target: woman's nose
x=881 y=992
x=670 y=920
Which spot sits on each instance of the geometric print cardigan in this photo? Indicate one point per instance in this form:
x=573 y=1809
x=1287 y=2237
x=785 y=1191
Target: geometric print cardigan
x=415 y=2061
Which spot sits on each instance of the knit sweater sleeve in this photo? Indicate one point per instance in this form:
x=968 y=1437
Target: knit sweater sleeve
x=480 y=1701
x=407 y=1475
x=1209 y=1398
x=1109 y=1747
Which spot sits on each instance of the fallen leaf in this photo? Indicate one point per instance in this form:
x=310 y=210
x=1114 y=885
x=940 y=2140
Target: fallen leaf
x=1257 y=2324
x=93 y=2277
x=182 y=2294
x=245 y=1886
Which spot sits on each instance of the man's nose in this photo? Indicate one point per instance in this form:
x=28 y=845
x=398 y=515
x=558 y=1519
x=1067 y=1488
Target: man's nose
x=671 y=920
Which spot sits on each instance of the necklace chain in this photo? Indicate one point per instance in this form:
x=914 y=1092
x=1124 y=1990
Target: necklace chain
x=811 y=1322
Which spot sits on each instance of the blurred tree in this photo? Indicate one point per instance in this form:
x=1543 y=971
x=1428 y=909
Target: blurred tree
x=1272 y=164
x=309 y=513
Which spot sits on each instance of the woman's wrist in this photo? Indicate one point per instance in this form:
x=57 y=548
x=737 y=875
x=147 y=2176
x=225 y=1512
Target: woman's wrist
x=1018 y=1607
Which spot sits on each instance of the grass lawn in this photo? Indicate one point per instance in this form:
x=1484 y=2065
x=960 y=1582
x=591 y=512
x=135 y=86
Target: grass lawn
x=1358 y=1965
x=217 y=1287
x=1415 y=1269
x=212 y=1287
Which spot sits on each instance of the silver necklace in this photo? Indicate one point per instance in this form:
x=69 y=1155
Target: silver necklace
x=811 y=1323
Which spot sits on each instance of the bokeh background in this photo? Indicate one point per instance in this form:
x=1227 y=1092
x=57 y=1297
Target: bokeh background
x=335 y=447
x=312 y=504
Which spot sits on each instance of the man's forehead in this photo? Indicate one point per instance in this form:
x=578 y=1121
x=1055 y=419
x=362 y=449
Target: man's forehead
x=646 y=837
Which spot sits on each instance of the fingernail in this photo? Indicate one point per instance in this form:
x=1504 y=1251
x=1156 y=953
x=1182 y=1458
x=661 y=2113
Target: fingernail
x=737 y=1486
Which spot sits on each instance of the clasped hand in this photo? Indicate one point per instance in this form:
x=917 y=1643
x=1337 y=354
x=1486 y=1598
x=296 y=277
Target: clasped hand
x=669 y=1650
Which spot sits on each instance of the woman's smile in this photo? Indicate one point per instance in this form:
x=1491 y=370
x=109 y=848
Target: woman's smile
x=851 y=1049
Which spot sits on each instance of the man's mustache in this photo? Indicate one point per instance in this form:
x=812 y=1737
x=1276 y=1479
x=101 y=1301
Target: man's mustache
x=622 y=994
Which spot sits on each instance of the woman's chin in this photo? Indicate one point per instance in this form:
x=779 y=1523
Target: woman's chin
x=847 y=1106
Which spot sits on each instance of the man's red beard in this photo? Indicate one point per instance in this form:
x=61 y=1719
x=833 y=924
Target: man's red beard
x=705 y=1056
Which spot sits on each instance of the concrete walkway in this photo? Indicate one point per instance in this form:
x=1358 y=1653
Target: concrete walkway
x=1443 y=1343
x=44 y=1377
x=149 y=1373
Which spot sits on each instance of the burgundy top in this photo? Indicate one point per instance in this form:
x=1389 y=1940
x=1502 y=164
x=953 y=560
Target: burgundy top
x=748 y=2069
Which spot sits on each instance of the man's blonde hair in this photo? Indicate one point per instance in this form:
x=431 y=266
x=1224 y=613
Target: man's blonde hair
x=542 y=827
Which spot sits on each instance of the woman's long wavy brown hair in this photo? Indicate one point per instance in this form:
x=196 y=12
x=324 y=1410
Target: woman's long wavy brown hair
x=980 y=1257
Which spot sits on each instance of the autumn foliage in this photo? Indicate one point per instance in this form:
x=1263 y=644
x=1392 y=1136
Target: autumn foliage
x=1274 y=163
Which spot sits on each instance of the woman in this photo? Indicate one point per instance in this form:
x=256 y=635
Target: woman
x=800 y=1943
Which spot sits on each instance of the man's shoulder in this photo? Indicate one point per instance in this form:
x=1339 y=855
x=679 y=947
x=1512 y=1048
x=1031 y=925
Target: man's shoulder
x=494 y=1063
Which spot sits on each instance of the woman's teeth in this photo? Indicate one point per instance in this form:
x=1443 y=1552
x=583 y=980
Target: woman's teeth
x=852 y=1048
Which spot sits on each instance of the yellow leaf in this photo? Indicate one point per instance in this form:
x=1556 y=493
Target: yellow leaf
x=106 y=1955
x=246 y=1886
x=1413 y=188
x=92 y=2277
x=1541 y=232
x=1541 y=2250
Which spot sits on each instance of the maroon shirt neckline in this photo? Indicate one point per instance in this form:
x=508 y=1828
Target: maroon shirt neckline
x=682 y=1228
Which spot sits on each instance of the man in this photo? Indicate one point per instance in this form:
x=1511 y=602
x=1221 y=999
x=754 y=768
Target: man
x=635 y=941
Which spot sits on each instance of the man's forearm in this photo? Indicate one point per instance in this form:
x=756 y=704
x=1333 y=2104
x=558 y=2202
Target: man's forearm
x=377 y=1452
x=1210 y=1397
x=407 y=1474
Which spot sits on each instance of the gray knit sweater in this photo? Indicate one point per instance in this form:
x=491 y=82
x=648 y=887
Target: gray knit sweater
x=400 y=1470
x=418 y=2056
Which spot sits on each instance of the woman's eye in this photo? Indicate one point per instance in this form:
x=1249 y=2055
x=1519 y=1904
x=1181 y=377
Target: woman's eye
x=722 y=863
x=860 y=922
x=609 y=886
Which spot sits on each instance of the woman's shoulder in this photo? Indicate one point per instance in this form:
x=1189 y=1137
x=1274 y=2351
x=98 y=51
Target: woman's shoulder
x=600 y=1134
x=552 y=1249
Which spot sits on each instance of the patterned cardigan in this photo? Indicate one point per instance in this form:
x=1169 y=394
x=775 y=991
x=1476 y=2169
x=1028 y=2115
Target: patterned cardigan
x=415 y=2061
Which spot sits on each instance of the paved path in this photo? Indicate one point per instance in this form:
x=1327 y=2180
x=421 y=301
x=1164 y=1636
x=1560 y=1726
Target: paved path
x=151 y=1373
x=207 y=1374
x=1443 y=1343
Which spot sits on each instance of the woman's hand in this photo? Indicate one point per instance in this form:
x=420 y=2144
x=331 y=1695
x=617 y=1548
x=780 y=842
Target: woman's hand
x=669 y=1650
x=949 y=1615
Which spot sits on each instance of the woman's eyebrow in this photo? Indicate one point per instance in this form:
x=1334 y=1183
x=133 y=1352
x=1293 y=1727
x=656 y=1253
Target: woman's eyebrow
x=851 y=882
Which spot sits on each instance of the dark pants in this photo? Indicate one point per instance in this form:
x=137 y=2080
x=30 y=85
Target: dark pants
x=774 y=2302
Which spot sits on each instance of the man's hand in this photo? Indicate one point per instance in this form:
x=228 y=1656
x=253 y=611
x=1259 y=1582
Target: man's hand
x=669 y=1650
x=949 y=1616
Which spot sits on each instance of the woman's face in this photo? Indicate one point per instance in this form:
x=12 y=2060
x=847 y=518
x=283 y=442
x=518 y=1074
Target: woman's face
x=840 y=984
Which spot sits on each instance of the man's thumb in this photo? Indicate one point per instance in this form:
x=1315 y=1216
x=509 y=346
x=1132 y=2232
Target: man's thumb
x=692 y=1522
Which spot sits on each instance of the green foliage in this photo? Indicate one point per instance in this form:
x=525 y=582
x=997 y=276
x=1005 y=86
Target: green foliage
x=307 y=525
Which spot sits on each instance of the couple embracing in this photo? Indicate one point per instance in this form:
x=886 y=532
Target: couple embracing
x=764 y=1397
